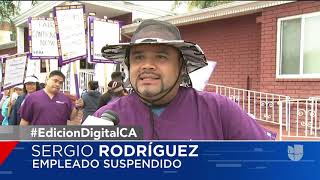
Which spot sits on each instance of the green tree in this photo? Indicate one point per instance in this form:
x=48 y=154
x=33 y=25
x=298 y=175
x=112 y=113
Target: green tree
x=10 y=9
x=198 y=4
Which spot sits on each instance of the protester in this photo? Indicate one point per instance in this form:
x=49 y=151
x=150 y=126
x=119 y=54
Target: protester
x=49 y=106
x=31 y=84
x=157 y=59
x=4 y=96
x=90 y=99
x=17 y=91
x=117 y=76
x=42 y=85
x=5 y=108
x=115 y=91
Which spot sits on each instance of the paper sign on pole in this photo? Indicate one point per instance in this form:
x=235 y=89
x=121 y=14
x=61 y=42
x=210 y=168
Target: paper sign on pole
x=101 y=32
x=14 y=70
x=33 y=67
x=71 y=33
x=42 y=37
x=201 y=77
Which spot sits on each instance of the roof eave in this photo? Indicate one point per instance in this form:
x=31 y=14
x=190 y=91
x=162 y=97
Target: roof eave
x=214 y=13
x=41 y=8
x=47 y=6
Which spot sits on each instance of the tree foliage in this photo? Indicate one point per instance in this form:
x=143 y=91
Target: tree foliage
x=198 y=4
x=10 y=9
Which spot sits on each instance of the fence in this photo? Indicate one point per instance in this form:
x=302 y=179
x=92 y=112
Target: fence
x=262 y=106
x=303 y=120
x=84 y=78
x=297 y=118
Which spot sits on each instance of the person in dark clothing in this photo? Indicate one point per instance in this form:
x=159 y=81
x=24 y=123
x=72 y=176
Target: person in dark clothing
x=42 y=85
x=90 y=99
x=115 y=91
x=31 y=84
x=117 y=76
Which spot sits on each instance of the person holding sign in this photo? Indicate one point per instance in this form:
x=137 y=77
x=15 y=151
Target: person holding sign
x=17 y=91
x=157 y=59
x=49 y=106
x=117 y=76
x=115 y=91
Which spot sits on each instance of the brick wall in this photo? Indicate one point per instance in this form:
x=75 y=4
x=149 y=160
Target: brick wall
x=268 y=83
x=234 y=44
x=9 y=51
x=244 y=48
x=126 y=18
x=5 y=26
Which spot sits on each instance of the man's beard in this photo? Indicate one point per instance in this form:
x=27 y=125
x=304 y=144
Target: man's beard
x=151 y=93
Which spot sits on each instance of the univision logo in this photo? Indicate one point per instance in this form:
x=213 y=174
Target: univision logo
x=295 y=153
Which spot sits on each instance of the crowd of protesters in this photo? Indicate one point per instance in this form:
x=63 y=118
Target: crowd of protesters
x=35 y=103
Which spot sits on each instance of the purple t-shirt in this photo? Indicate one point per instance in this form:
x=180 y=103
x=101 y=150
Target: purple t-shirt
x=190 y=115
x=39 y=109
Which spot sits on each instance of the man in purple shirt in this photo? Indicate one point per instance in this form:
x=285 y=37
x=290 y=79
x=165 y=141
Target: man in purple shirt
x=157 y=59
x=49 y=106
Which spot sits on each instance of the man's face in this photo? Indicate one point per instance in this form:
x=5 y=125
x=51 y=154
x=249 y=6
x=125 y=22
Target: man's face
x=54 y=83
x=153 y=69
x=31 y=87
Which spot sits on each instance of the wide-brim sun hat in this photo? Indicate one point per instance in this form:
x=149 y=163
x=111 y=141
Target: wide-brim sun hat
x=155 y=32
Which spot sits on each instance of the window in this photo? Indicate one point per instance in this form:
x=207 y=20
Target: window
x=43 y=66
x=298 y=46
x=85 y=65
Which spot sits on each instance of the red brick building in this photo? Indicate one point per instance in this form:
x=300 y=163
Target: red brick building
x=244 y=37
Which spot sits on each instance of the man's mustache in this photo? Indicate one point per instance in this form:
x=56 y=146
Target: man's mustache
x=148 y=74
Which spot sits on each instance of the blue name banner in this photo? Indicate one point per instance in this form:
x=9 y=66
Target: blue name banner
x=163 y=160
